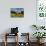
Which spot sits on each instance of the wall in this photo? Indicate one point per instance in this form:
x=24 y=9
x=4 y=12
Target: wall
x=24 y=24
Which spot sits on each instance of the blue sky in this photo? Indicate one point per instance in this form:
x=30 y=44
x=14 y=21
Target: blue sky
x=17 y=9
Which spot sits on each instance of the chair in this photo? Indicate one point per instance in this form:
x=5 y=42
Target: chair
x=14 y=32
x=8 y=35
x=25 y=36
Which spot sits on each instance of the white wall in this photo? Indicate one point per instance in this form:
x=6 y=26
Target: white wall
x=24 y=24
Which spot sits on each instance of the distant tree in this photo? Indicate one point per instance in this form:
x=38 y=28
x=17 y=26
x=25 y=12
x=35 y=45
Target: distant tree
x=22 y=12
x=13 y=12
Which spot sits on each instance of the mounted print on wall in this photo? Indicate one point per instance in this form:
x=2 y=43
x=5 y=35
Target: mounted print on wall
x=41 y=8
x=17 y=12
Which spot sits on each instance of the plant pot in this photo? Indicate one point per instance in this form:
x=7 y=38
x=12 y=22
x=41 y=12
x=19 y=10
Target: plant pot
x=38 y=40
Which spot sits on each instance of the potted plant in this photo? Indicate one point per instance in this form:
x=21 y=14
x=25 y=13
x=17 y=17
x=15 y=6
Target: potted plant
x=39 y=35
x=42 y=27
x=35 y=26
x=38 y=27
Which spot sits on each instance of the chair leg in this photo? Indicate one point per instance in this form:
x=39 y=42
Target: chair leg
x=17 y=39
x=5 y=40
x=5 y=43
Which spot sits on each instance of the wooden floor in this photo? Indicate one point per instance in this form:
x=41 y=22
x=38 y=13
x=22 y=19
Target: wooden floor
x=13 y=44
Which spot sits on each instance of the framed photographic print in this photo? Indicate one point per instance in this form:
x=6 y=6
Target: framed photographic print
x=41 y=8
x=17 y=12
x=41 y=12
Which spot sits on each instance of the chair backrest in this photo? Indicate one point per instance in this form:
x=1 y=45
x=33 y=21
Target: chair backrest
x=14 y=30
